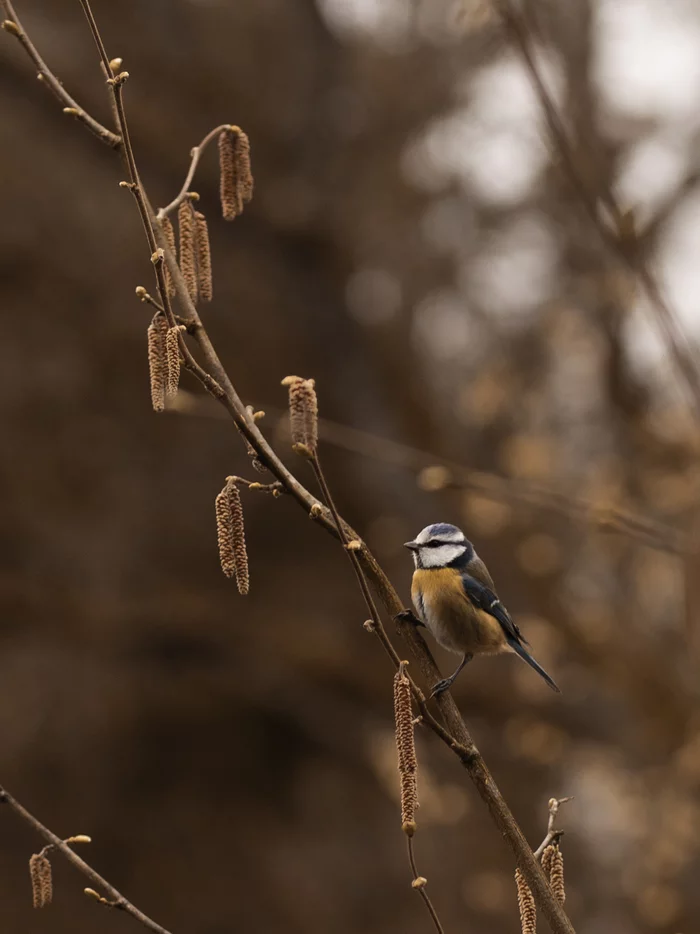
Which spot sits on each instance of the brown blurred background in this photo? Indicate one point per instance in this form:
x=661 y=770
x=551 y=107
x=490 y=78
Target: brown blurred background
x=415 y=247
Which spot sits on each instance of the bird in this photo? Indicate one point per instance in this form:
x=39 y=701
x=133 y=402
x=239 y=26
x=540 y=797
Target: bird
x=455 y=599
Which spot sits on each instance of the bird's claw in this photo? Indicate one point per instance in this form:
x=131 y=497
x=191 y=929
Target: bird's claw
x=407 y=616
x=441 y=686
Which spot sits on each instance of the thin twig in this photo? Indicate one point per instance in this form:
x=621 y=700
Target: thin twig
x=117 y=900
x=195 y=154
x=455 y=734
x=146 y=297
x=13 y=26
x=419 y=885
x=350 y=551
x=552 y=834
x=276 y=488
x=98 y=40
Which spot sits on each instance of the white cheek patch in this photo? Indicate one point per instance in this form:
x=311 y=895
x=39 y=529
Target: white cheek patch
x=440 y=556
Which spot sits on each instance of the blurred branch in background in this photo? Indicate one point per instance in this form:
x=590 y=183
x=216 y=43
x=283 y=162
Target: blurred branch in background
x=621 y=239
x=434 y=474
x=439 y=474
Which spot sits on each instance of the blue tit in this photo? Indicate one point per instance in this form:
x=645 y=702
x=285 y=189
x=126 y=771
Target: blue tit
x=454 y=597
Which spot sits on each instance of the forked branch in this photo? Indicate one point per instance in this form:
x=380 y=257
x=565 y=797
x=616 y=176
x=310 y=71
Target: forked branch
x=13 y=26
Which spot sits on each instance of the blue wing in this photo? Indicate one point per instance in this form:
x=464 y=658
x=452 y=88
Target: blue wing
x=485 y=599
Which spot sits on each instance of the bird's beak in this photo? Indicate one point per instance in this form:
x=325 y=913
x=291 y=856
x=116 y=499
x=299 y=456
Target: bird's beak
x=413 y=546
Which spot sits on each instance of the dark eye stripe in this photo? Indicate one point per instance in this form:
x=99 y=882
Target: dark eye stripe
x=436 y=543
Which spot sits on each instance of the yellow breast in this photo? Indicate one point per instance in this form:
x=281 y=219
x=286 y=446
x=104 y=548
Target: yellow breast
x=439 y=597
x=438 y=584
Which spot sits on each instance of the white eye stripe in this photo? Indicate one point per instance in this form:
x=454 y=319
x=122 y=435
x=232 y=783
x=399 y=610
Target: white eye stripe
x=440 y=556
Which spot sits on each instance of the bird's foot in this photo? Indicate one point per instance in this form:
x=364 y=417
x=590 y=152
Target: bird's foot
x=407 y=616
x=441 y=686
x=448 y=682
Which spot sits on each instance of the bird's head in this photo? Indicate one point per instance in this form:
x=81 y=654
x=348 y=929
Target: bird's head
x=439 y=546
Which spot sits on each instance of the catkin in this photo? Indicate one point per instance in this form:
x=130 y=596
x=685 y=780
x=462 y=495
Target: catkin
x=526 y=905
x=240 y=552
x=188 y=256
x=236 y=180
x=546 y=860
x=244 y=176
x=228 y=191
x=157 y=361
x=225 y=533
x=556 y=875
x=310 y=409
x=204 y=280
x=303 y=411
x=231 y=534
x=169 y=234
x=406 y=748
x=42 y=884
x=172 y=359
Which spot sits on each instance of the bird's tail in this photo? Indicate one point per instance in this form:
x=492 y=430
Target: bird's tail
x=526 y=657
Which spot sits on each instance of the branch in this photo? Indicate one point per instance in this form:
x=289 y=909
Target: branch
x=215 y=379
x=116 y=899
x=13 y=26
x=196 y=155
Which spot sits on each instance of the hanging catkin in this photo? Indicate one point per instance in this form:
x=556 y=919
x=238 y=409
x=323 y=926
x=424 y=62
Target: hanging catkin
x=204 y=280
x=157 y=360
x=244 y=176
x=169 y=234
x=556 y=874
x=188 y=256
x=42 y=884
x=231 y=535
x=406 y=749
x=235 y=178
x=303 y=411
x=172 y=359
x=227 y=176
x=526 y=905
